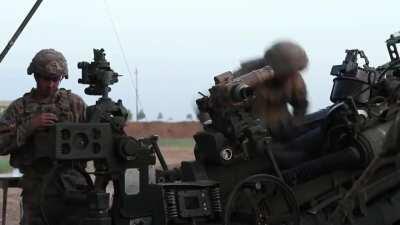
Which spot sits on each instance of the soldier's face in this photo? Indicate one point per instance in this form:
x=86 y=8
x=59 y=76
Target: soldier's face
x=46 y=86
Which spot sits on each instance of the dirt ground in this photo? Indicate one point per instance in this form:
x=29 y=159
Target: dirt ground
x=12 y=206
x=173 y=156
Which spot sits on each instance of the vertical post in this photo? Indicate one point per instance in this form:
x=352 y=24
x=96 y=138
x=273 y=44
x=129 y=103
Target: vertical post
x=137 y=94
x=5 y=193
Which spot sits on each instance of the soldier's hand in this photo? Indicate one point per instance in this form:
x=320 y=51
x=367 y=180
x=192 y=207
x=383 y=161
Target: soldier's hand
x=43 y=120
x=297 y=121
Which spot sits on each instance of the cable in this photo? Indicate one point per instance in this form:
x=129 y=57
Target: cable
x=109 y=14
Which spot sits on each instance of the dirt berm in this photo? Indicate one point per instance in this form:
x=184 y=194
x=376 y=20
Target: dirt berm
x=163 y=129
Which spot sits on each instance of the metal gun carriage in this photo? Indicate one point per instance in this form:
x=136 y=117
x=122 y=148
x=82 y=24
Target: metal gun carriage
x=342 y=168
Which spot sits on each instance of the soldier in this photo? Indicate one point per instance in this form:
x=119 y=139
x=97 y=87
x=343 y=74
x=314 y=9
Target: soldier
x=45 y=186
x=285 y=87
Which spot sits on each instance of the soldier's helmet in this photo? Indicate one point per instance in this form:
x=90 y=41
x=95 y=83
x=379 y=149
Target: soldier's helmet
x=49 y=63
x=286 y=58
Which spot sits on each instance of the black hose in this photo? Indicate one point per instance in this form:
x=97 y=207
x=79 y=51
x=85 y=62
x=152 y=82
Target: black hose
x=347 y=158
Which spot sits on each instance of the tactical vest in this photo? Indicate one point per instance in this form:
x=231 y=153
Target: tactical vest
x=60 y=105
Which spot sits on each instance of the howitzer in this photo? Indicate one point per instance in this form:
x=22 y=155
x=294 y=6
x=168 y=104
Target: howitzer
x=318 y=177
x=241 y=175
x=229 y=108
x=125 y=161
x=239 y=88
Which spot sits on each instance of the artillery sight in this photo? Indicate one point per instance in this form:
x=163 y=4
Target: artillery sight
x=97 y=74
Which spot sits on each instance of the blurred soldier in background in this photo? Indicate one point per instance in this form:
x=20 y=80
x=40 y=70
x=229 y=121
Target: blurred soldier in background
x=286 y=86
x=45 y=186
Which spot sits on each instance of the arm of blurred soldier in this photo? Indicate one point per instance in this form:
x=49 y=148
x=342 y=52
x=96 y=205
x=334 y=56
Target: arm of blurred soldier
x=298 y=99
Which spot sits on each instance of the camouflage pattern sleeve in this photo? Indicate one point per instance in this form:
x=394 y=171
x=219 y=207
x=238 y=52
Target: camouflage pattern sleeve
x=299 y=97
x=78 y=108
x=14 y=129
x=7 y=137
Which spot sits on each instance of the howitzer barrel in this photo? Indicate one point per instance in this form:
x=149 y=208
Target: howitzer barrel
x=255 y=77
x=241 y=92
x=251 y=79
x=240 y=88
x=372 y=140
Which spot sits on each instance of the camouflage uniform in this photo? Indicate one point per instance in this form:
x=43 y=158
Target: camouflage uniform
x=285 y=87
x=271 y=105
x=44 y=186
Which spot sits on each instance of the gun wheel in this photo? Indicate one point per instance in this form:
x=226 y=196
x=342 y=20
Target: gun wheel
x=262 y=200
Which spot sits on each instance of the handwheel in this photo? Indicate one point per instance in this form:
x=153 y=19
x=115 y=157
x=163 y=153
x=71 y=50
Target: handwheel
x=262 y=200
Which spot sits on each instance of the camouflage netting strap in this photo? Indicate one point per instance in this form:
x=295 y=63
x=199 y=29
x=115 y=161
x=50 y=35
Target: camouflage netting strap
x=49 y=62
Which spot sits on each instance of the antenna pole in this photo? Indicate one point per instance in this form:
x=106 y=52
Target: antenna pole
x=19 y=30
x=137 y=94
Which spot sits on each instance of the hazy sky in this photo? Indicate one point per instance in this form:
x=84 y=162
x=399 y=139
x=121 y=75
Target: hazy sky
x=179 y=45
